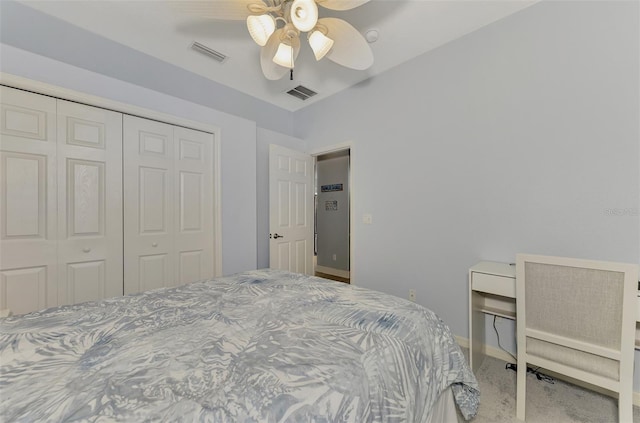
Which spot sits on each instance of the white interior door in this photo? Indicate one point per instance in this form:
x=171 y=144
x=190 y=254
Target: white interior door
x=290 y=210
x=89 y=203
x=28 y=228
x=148 y=205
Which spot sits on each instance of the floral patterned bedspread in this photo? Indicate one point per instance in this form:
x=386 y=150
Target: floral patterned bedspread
x=261 y=346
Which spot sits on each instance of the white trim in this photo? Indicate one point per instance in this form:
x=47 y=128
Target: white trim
x=347 y=145
x=217 y=207
x=332 y=271
x=38 y=87
x=101 y=102
x=463 y=342
x=501 y=355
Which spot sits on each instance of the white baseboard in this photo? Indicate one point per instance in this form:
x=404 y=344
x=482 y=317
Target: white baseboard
x=334 y=272
x=502 y=355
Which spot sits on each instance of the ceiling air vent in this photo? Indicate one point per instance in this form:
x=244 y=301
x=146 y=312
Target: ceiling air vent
x=301 y=92
x=215 y=55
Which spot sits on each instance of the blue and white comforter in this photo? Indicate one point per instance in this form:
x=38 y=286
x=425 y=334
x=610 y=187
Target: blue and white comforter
x=262 y=346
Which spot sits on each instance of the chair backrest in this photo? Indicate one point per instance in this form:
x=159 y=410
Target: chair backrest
x=579 y=313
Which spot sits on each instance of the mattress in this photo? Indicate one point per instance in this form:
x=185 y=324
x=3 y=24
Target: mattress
x=260 y=346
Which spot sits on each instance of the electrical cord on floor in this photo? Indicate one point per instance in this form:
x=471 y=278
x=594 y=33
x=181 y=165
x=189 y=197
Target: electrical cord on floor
x=539 y=376
x=514 y=367
x=544 y=378
x=498 y=336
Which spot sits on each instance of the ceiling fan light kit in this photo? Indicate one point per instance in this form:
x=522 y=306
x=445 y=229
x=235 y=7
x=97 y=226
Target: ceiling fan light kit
x=304 y=14
x=260 y=28
x=328 y=37
x=284 y=56
x=320 y=44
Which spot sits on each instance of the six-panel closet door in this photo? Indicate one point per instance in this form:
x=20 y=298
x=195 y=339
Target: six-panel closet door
x=89 y=203
x=168 y=207
x=72 y=229
x=28 y=196
x=60 y=202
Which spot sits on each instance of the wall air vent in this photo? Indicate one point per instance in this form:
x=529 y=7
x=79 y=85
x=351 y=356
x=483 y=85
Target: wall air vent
x=208 y=51
x=301 y=92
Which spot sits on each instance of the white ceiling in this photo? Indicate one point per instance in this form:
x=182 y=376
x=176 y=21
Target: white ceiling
x=407 y=28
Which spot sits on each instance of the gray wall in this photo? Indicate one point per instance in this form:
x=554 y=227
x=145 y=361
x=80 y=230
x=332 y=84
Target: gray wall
x=520 y=137
x=333 y=225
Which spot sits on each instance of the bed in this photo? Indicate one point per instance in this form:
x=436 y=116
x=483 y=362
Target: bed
x=260 y=346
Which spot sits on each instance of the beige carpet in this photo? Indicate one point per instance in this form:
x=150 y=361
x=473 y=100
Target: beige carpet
x=559 y=402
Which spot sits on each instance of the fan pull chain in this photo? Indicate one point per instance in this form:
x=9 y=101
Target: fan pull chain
x=291 y=70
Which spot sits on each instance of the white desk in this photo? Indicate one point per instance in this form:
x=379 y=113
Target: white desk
x=492 y=290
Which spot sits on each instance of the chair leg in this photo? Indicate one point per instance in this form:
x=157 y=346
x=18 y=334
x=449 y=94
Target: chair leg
x=625 y=406
x=521 y=387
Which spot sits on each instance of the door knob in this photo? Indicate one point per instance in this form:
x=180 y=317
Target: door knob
x=86 y=249
x=276 y=236
x=155 y=244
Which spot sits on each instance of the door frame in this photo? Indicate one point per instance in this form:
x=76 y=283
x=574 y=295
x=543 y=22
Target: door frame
x=348 y=145
x=38 y=87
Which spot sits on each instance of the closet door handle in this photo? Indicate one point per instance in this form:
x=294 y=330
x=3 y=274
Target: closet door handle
x=154 y=245
x=276 y=236
x=86 y=249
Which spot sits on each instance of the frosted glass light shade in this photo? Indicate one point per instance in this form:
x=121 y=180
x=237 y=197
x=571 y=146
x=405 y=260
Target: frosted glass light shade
x=284 y=56
x=320 y=44
x=304 y=14
x=260 y=28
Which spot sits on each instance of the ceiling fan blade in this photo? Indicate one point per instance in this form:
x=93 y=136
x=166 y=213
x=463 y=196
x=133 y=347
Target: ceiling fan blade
x=350 y=49
x=341 y=4
x=224 y=10
x=270 y=69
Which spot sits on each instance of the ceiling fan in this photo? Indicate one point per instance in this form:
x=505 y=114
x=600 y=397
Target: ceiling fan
x=277 y=26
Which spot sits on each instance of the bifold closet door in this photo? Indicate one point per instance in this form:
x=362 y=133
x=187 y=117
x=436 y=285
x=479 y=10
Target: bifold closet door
x=28 y=228
x=148 y=211
x=194 y=205
x=168 y=208
x=89 y=203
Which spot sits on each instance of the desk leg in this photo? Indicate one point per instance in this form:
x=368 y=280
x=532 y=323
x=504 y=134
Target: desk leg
x=477 y=348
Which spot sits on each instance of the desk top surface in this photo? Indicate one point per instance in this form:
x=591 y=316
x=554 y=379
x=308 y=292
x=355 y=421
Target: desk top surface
x=506 y=270
x=495 y=268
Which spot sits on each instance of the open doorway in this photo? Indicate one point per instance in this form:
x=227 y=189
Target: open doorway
x=332 y=229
